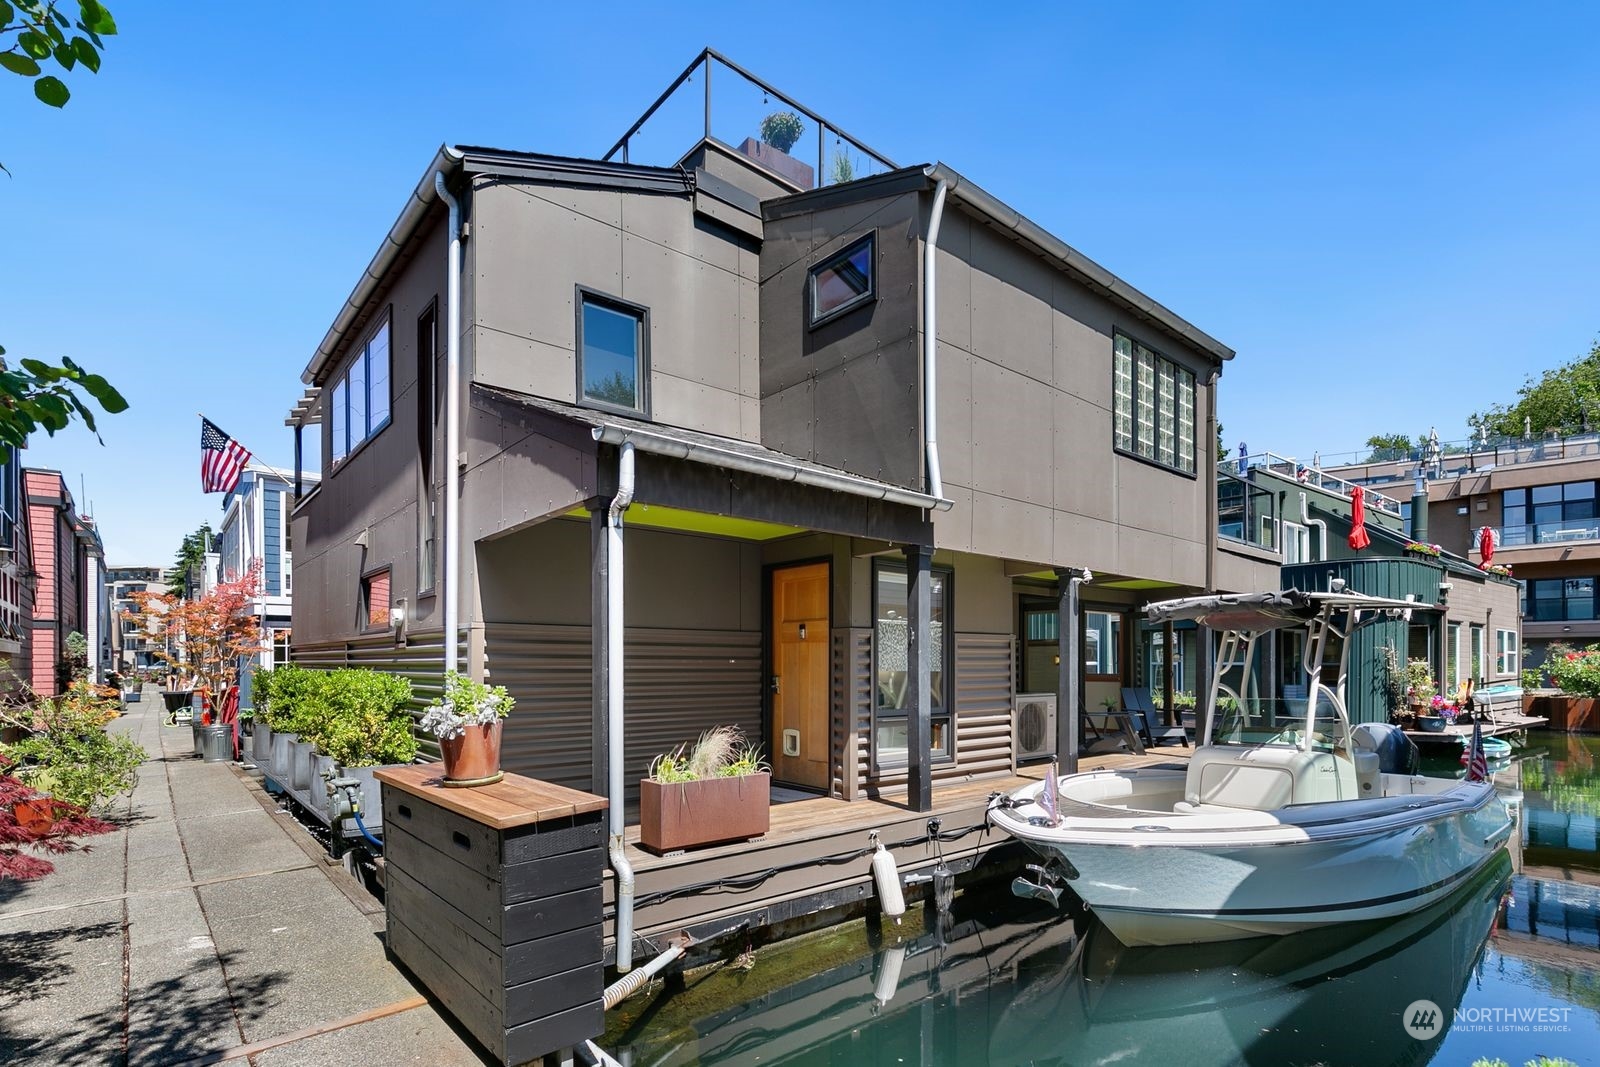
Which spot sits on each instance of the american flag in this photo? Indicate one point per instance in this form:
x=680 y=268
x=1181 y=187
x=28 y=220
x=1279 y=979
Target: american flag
x=221 y=459
x=1477 y=762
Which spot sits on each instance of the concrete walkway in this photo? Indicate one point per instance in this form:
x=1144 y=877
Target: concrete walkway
x=207 y=929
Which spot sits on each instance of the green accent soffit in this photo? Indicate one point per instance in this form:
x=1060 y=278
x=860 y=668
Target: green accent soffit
x=655 y=517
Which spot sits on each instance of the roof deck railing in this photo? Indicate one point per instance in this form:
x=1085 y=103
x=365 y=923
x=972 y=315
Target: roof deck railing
x=730 y=106
x=1467 y=456
x=1316 y=477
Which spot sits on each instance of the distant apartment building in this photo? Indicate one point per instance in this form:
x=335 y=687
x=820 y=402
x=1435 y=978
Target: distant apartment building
x=132 y=645
x=69 y=590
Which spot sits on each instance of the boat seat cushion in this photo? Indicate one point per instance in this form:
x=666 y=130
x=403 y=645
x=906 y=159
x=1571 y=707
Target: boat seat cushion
x=1266 y=777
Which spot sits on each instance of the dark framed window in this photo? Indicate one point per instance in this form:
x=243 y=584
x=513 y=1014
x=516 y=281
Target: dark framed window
x=361 y=394
x=1560 y=599
x=891 y=664
x=375 y=599
x=613 y=353
x=842 y=282
x=1549 y=514
x=1152 y=406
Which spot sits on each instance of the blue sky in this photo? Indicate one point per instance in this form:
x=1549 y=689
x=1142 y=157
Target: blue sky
x=1390 y=211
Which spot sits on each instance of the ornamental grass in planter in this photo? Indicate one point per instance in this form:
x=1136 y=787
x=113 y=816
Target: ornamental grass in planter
x=719 y=790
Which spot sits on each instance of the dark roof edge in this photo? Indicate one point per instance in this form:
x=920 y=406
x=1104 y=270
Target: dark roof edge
x=991 y=207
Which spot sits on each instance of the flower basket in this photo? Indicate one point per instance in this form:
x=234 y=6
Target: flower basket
x=710 y=811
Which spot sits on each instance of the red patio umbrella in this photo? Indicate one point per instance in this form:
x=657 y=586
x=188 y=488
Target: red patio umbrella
x=1359 y=538
x=1485 y=547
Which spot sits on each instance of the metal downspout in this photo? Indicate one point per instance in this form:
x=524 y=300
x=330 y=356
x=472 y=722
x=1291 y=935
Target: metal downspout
x=614 y=638
x=930 y=346
x=1322 y=529
x=452 y=431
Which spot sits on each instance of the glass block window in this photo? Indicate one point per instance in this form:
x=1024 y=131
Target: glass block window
x=1152 y=406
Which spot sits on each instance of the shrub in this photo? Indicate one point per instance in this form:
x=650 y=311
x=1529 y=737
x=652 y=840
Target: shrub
x=1577 y=673
x=68 y=753
x=354 y=715
x=367 y=723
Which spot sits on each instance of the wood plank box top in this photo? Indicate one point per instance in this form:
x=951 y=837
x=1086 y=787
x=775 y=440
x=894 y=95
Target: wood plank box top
x=512 y=801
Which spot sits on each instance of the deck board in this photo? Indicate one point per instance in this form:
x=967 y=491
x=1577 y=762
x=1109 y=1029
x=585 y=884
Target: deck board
x=795 y=868
x=1502 y=724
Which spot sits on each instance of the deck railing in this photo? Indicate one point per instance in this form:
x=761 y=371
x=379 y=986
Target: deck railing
x=729 y=105
x=1316 y=477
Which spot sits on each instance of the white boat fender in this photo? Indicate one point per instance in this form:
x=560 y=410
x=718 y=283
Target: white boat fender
x=887 y=877
x=889 y=975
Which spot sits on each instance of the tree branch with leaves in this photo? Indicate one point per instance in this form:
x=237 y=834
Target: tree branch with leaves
x=208 y=636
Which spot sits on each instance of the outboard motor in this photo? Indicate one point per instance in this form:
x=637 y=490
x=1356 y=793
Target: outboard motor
x=1396 y=754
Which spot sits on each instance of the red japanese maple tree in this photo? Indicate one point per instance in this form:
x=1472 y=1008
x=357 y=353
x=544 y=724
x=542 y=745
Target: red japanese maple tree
x=205 y=637
x=22 y=837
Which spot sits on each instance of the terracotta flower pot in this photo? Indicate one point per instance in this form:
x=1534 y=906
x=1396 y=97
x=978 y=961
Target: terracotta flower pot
x=474 y=757
x=35 y=816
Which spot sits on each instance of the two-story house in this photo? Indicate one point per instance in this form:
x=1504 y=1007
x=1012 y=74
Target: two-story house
x=69 y=591
x=850 y=467
x=1538 y=499
x=256 y=532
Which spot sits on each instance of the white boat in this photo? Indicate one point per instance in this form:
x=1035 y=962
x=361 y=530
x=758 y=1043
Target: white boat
x=1284 y=819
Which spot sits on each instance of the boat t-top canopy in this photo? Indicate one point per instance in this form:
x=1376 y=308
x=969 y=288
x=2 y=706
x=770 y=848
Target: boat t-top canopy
x=1259 y=612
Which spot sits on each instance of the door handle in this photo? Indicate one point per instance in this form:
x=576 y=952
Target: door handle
x=776 y=684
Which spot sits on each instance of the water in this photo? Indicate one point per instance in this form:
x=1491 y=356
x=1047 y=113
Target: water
x=1512 y=961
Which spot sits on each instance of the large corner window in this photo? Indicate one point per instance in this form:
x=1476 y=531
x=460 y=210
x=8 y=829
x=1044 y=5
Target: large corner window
x=1153 y=400
x=892 y=664
x=1546 y=514
x=1560 y=599
x=361 y=395
x=841 y=282
x=613 y=353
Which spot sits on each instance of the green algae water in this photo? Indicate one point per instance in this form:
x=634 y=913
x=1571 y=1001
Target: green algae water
x=1507 y=968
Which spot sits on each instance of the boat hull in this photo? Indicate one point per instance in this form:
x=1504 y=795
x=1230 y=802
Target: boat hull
x=1158 y=883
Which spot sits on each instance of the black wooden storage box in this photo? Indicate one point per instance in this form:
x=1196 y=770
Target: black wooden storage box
x=494 y=903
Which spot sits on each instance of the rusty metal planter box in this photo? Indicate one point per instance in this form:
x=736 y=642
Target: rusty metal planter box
x=711 y=811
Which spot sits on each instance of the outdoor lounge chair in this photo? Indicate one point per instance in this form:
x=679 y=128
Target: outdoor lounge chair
x=1148 y=719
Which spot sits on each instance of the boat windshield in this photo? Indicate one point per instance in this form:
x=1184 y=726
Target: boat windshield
x=1280 y=722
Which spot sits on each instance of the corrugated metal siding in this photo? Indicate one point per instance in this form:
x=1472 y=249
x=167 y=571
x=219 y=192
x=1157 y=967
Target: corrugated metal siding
x=984 y=688
x=679 y=684
x=1376 y=577
x=420 y=659
x=851 y=715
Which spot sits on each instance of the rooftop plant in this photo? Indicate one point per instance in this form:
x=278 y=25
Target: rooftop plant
x=782 y=129
x=1423 y=549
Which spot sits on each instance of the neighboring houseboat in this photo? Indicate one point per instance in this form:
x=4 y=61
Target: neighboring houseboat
x=1467 y=626
x=858 y=545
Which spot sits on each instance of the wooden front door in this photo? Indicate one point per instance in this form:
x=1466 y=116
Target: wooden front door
x=800 y=675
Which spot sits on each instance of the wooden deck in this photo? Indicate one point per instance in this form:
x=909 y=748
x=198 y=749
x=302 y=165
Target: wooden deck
x=816 y=857
x=1458 y=734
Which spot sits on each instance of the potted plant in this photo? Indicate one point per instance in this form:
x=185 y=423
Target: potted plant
x=782 y=129
x=1420 y=686
x=717 y=791
x=467 y=720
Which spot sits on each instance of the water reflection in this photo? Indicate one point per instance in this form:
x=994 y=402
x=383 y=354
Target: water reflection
x=996 y=984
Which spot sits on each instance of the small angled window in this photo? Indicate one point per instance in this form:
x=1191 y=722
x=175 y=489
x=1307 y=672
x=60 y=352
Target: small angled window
x=375 y=599
x=844 y=282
